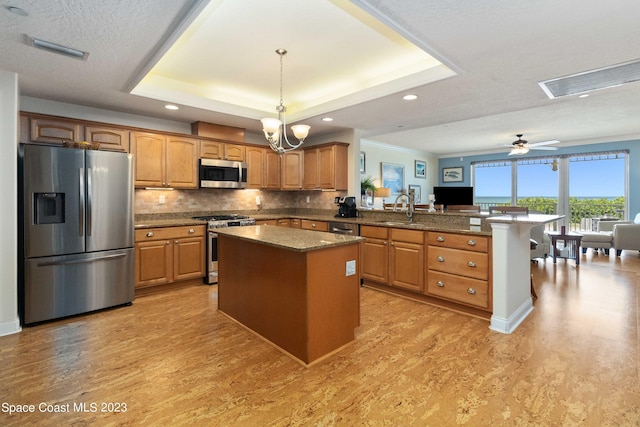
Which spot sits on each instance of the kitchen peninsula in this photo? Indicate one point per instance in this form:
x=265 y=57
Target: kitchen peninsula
x=298 y=289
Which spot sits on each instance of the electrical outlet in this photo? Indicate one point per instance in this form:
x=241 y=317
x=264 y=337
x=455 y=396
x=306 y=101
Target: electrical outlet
x=308 y=199
x=475 y=221
x=258 y=201
x=161 y=199
x=351 y=267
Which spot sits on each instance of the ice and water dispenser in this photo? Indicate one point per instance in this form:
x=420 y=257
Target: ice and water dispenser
x=49 y=208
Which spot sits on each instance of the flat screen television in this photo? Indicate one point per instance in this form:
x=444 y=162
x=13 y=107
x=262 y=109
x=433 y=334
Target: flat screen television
x=453 y=195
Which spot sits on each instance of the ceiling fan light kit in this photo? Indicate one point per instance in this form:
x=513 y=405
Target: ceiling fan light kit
x=275 y=130
x=521 y=146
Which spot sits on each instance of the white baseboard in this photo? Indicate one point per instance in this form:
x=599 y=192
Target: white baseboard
x=8 y=328
x=508 y=325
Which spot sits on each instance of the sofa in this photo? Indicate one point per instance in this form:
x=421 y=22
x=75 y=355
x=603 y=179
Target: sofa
x=625 y=235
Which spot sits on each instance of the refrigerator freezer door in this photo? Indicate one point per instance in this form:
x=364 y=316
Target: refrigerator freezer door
x=53 y=201
x=109 y=201
x=66 y=285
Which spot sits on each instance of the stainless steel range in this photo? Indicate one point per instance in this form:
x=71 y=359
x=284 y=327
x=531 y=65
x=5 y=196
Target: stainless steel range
x=213 y=222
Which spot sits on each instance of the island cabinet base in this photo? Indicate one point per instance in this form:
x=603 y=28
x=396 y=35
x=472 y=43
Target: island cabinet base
x=301 y=301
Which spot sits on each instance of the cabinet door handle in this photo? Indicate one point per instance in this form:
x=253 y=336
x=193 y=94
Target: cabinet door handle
x=471 y=242
x=313 y=225
x=471 y=264
x=440 y=239
x=471 y=291
x=393 y=244
x=440 y=258
x=440 y=284
x=150 y=234
x=385 y=243
x=175 y=241
x=168 y=242
x=191 y=231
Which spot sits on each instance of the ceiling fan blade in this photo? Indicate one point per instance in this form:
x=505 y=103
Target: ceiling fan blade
x=551 y=141
x=533 y=147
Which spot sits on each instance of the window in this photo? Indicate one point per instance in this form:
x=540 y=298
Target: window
x=581 y=187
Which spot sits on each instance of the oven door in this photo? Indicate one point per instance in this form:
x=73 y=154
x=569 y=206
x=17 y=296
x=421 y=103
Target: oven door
x=212 y=259
x=222 y=174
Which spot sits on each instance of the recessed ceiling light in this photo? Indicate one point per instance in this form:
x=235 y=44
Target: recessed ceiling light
x=584 y=95
x=410 y=97
x=327 y=119
x=171 y=107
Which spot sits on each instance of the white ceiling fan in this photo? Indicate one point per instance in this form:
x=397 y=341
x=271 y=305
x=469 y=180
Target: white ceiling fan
x=521 y=146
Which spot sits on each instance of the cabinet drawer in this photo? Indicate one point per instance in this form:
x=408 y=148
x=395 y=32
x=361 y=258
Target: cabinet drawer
x=169 y=233
x=305 y=224
x=461 y=289
x=409 y=236
x=375 y=232
x=468 y=242
x=455 y=261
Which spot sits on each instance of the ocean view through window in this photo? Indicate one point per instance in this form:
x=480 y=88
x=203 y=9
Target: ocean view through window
x=581 y=187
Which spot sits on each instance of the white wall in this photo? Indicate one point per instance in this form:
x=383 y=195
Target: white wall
x=377 y=153
x=9 y=321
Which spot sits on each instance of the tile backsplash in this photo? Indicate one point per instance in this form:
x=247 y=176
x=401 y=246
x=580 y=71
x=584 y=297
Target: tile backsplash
x=216 y=200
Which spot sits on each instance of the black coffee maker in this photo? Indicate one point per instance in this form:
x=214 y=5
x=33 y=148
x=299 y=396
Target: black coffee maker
x=346 y=207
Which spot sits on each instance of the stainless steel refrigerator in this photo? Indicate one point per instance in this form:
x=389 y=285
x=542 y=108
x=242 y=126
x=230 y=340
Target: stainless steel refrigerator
x=76 y=229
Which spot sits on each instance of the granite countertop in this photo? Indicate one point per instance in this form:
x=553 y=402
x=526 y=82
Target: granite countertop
x=289 y=238
x=443 y=222
x=175 y=222
x=534 y=219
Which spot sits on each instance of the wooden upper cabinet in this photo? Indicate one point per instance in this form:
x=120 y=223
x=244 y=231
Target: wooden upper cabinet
x=326 y=167
x=255 y=169
x=110 y=139
x=291 y=168
x=234 y=152
x=311 y=164
x=165 y=161
x=182 y=162
x=263 y=168
x=222 y=150
x=150 y=159
x=54 y=131
x=271 y=169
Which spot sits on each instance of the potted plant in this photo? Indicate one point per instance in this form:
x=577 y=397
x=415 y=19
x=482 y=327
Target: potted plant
x=366 y=191
x=367 y=186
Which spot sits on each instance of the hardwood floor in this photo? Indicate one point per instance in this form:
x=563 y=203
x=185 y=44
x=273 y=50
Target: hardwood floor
x=174 y=360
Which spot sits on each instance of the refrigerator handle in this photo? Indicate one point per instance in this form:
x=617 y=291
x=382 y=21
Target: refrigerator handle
x=80 y=261
x=89 y=202
x=81 y=206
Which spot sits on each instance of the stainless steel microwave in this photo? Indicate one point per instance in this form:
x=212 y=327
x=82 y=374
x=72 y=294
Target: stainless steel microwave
x=222 y=174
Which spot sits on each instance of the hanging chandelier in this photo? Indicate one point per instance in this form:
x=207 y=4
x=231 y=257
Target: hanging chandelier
x=275 y=130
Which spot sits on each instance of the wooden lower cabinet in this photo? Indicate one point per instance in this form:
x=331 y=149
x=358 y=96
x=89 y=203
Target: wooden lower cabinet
x=406 y=259
x=285 y=222
x=459 y=268
x=307 y=224
x=375 y=254
x=266 y=222
x=167 y=255
x=448 y=267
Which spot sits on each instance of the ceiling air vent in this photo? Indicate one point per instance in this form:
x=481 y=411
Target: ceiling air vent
x=615 y=75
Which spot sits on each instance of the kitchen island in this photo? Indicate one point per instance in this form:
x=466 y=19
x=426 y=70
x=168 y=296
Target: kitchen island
x=297 y=289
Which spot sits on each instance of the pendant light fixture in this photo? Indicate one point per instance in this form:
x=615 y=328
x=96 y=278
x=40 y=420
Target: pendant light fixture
x=275 y=130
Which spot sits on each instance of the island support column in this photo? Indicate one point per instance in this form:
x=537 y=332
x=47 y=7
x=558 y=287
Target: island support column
x=512 y=301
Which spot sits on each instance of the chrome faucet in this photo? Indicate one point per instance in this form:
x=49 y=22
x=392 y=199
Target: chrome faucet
x=411 y=197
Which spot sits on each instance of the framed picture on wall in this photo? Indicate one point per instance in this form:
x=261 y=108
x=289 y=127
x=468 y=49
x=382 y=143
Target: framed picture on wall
x=421 y=169
x=452 y=174
x=392 y=177
x=417 y=191
x=362 y=162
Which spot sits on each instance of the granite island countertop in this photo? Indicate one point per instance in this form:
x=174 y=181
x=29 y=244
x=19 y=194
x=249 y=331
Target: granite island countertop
x=289 y=238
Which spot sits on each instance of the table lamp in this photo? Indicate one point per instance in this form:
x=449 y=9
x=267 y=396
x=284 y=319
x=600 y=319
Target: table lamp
x=382 y=192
